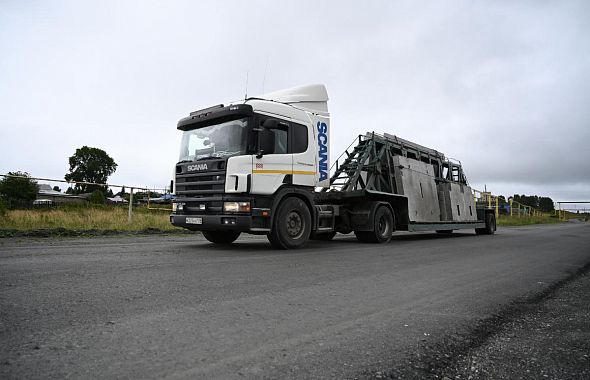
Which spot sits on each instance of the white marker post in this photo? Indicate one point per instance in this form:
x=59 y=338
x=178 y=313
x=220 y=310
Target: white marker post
x=130 y=205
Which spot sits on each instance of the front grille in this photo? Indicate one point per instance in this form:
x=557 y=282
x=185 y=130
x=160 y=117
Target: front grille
x=206 y=182
x=189 y=185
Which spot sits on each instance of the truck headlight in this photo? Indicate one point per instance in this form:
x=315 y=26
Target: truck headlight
x=236 y=206
x=177 y=206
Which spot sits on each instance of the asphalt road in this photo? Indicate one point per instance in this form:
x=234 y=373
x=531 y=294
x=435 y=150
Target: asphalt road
x=179 y=307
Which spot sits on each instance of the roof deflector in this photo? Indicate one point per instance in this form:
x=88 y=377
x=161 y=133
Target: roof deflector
x=313 y=97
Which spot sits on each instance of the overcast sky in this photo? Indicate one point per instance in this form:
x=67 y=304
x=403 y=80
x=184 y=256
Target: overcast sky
x=502 y=86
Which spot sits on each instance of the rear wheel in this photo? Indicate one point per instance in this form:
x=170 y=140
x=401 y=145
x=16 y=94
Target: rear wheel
x=490 y=227
x=221 y=237
x=384 y=227
x=291 y=225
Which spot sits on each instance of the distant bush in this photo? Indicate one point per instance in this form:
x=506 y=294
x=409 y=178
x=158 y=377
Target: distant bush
x=97 y=197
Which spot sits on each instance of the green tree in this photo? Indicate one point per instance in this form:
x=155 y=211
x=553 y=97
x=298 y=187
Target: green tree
x=542 y=203
x=546 y=204
x=19 y=187
x=90 y=165
x=528 y=200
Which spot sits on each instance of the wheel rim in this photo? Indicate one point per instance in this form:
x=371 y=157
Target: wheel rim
x=383 y=226
x=295 y=225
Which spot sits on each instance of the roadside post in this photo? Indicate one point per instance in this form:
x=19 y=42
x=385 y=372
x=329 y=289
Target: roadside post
x=130 y=205
x=497 y=209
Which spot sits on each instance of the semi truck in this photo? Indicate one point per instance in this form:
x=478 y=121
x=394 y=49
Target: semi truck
x=262 y=166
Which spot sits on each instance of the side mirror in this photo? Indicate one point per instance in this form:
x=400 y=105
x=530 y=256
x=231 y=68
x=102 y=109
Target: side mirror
x=266 y=142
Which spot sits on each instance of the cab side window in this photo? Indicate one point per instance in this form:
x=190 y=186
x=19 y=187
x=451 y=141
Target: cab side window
x=281 y=141
x=298 y=138
x=289 y=137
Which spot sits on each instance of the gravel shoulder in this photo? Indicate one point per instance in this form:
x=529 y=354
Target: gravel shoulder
x=546 y=336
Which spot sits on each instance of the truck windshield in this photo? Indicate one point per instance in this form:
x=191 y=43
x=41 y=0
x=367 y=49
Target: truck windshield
x=219 y=140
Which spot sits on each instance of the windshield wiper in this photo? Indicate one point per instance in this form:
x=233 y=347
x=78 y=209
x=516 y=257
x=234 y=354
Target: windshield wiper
x=220 y=154
x=205 y=158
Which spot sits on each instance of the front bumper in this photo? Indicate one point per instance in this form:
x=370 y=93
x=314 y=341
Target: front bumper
x=213 y=222
x=207 y=214
x=254 y=224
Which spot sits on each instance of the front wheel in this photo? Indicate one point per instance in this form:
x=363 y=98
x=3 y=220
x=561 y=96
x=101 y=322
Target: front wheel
x=291 y=225
x=221 y=237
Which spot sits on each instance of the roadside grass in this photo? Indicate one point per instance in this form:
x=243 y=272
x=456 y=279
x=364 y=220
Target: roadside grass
x=506 y=221
x=99 y=218
x=114 y=218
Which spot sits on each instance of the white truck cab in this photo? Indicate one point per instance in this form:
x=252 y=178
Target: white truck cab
x=237 y=160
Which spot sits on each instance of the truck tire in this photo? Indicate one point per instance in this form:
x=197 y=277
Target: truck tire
x=490 y=227
x=291 y=225
x=384 y=227
x=325 y=236
x=221 y=237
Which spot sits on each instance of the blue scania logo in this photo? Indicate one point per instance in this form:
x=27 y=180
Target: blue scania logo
x=323 y=150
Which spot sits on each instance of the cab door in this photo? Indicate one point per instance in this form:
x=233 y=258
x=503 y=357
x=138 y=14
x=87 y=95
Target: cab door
x=270 y=169
x=301 y=145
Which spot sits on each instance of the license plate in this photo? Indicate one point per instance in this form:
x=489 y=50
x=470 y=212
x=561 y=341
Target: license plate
x=194 y=220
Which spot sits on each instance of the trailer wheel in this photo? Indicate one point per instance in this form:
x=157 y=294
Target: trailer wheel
x=221 y=237
x=444 y=231
x=383 y=228
x=291 y=225
x=322 y=236
x=490 y=227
